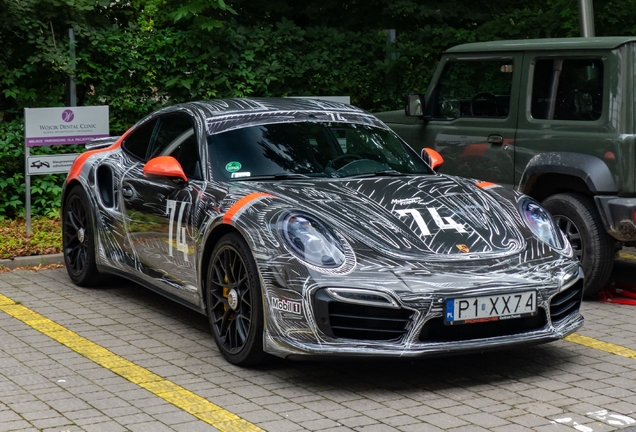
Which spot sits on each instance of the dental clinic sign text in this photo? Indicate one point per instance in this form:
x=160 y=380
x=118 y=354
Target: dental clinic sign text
x=65 y=125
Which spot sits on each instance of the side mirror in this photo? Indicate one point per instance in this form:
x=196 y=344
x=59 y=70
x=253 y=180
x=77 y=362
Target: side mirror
x=414 y=105
x=165 y=166
x=432 y=158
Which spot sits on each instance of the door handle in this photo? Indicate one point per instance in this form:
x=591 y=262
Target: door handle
x=495 y=139
x=127 y=191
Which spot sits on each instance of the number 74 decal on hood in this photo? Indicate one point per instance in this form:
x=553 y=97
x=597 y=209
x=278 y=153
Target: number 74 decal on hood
x=442 y=223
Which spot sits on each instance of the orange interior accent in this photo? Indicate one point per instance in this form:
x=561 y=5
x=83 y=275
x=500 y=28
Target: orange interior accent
x=227 y=217
x=166 y=166
x=485 y=184
x=436 y=159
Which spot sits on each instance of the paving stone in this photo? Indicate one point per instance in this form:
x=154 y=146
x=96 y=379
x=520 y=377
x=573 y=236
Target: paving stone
x=520 y=389
x=340 y=413
x=485 y=420
x=357 y=422
x=301 y=415
x=281 y=425
x=445 y=421
x=421 y=427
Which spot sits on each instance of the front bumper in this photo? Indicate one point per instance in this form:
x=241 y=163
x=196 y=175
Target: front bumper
x=619 y=216
x=417 y=327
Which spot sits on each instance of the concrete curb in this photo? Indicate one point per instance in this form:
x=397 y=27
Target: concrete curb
x=30 y=261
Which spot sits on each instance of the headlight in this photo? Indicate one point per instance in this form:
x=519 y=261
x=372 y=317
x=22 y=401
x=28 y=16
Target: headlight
x=311 y=241
x=540 y=222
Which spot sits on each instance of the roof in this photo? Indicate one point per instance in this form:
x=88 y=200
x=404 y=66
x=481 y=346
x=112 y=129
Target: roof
x=223 y=107
x=226 y=114
x=609 y=42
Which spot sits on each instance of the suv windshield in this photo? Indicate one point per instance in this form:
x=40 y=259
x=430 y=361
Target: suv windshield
x=312 y=149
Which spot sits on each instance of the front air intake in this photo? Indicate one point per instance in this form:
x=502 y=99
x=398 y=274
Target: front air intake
x=436 y=331
x=566 y=303
x=361 y=322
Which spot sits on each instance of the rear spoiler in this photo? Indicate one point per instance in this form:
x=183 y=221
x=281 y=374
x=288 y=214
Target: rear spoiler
x=101 y=142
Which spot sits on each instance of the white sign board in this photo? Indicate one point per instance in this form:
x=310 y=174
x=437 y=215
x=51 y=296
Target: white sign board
x=50 y=164
x=65 y=125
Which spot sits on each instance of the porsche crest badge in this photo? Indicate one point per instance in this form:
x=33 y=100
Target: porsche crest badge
x=463 y=248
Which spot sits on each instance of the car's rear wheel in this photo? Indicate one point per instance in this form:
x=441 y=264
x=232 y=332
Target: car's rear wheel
x=78 y=241
x=577 y=216
x=234 y=301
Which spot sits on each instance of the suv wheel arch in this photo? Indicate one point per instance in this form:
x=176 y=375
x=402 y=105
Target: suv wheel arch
x=591 y=170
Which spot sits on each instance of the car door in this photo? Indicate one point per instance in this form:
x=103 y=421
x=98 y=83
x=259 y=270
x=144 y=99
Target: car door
x=160 y=211
x=473 y=110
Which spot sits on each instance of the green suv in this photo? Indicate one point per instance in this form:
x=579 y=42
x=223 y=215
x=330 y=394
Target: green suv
x=553 y=118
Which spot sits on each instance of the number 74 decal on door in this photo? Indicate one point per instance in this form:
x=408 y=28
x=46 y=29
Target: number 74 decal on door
x=181 y=242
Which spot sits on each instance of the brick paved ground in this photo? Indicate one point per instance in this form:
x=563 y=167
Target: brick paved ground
x=46 y=386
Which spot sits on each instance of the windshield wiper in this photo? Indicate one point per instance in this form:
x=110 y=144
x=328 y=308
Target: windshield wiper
x=384 y=173
x=277 y=176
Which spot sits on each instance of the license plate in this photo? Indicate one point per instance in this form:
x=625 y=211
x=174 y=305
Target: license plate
x=468 y=310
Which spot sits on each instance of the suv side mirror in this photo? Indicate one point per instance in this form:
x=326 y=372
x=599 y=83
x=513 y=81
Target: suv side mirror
x=432 y=158
x=414 y=105
x=165 y=166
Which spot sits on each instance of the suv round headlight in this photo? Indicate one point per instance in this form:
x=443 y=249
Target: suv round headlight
x=311 y=241
x=541 y=223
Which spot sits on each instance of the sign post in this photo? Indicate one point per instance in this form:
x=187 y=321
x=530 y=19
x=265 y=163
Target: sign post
x=58 y=126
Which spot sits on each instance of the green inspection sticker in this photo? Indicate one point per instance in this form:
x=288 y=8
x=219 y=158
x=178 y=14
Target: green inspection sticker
x=233 y=167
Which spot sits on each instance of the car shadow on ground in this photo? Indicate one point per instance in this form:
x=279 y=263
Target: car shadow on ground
x=474 y=370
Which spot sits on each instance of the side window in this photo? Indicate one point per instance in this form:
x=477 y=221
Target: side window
x=567 y=89
x=176 y=138
x=474 y=89
x=185 y=150
x=138 y=141
x=172 y=127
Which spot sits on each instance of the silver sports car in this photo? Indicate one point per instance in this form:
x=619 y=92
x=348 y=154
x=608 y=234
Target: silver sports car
x=307 y=227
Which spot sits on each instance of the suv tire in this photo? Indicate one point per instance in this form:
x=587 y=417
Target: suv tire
x=578 y=218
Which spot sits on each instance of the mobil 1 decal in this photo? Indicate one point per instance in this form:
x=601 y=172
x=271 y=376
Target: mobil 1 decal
x=285 y=305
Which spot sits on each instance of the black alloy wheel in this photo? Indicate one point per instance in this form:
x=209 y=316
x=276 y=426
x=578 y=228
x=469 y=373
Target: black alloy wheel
x=234 y=302
x=78 y=241
x=577 y=216
x=571 y=231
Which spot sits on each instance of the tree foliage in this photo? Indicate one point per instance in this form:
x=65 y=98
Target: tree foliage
x=139 y=55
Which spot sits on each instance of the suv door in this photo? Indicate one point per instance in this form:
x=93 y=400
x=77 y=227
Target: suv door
x=563 y=109
x=473 y=110
x=569 y=145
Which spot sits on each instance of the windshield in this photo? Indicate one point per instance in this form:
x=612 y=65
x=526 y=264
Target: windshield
x=312 y=149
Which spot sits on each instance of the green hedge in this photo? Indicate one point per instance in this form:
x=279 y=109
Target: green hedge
x=136 y=62
x=46 y=190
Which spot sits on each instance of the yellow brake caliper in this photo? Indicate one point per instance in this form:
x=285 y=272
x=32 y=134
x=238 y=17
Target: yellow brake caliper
x=226 y=291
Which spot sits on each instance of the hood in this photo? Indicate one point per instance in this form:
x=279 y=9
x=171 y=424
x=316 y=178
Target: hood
x=437 y=216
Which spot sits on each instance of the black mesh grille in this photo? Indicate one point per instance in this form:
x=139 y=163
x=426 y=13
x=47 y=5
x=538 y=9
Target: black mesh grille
x=566 y=303
x=354 y=321
x=436 y=331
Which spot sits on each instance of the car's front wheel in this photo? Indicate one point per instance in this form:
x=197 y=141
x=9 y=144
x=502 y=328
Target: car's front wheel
x=234 y=301
x=578 y=218
x=78 y=241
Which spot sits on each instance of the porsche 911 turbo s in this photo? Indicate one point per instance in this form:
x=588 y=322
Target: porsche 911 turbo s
x=308 y=228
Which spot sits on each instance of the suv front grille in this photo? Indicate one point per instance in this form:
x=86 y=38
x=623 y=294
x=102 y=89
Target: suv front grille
x=566 y=303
